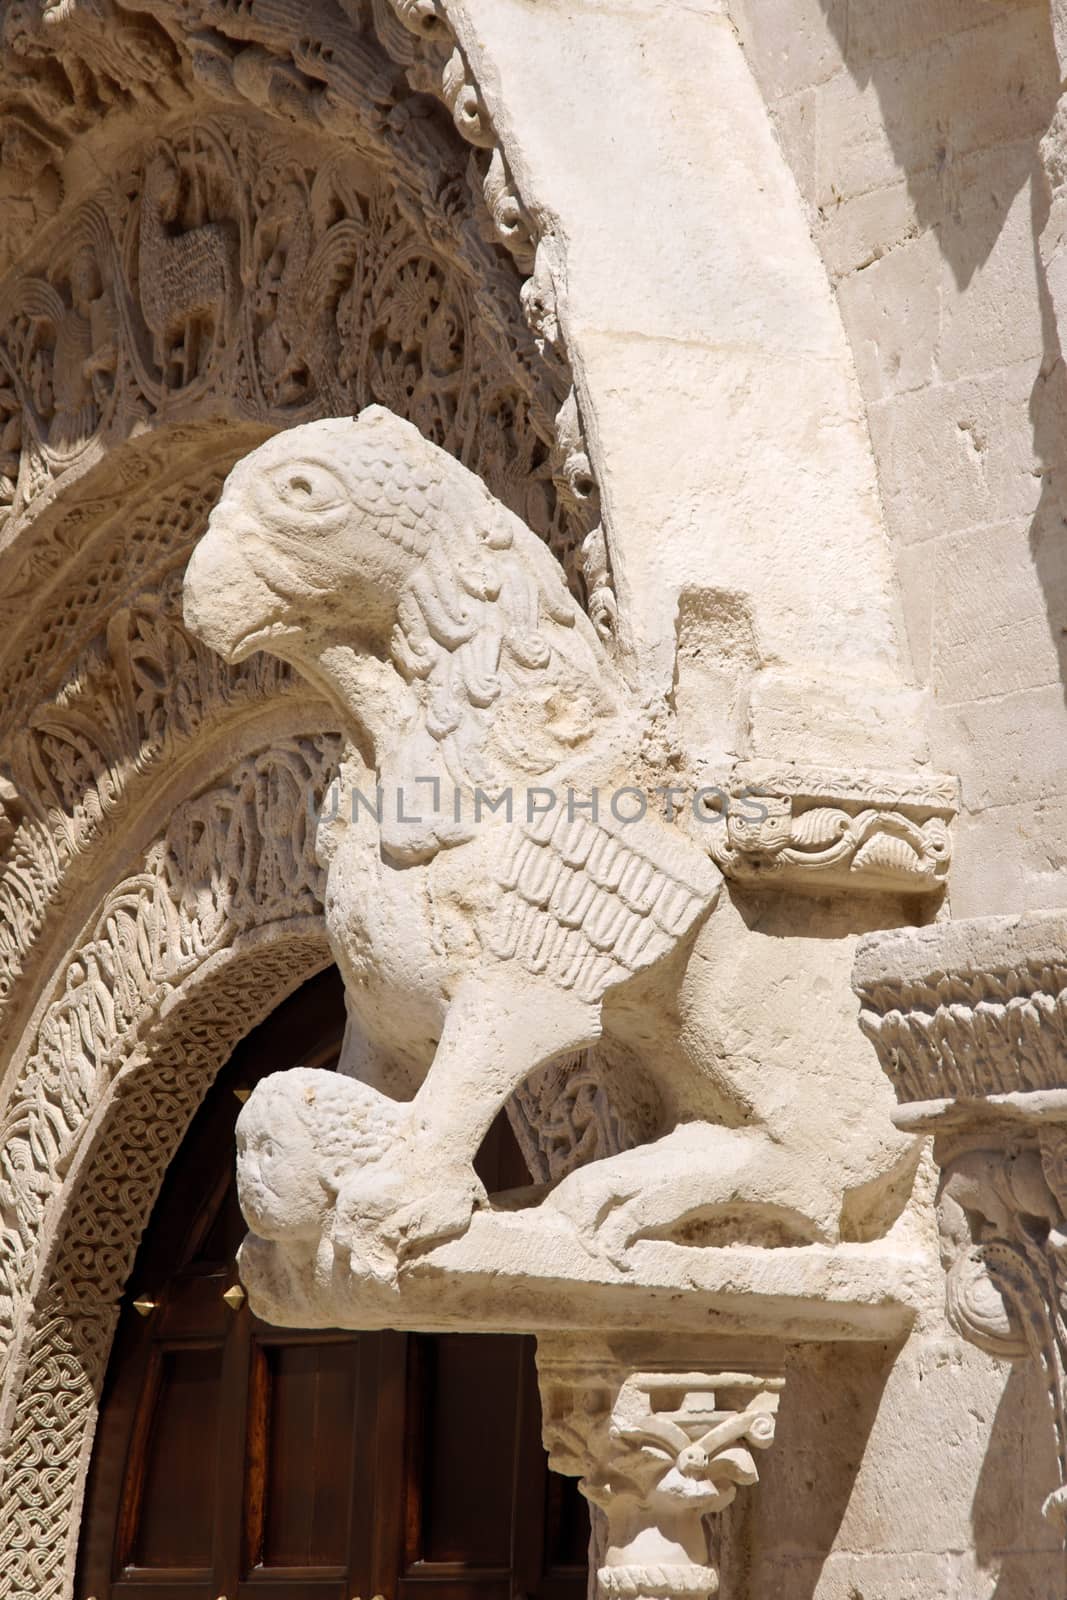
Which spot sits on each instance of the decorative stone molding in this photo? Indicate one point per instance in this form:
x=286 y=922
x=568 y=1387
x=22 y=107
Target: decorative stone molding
x=968 y=1017
x=222 y=252
x=138 y=698
x=658 y=1446
x=220 y=270
x=969 y=1020
x=825 y=829
x=222 y=920
x=235 y=857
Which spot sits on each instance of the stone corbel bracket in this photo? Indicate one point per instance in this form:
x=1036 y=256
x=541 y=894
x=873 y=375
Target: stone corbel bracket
x=660 y=1441
x=969 y=1020
x=828 y=828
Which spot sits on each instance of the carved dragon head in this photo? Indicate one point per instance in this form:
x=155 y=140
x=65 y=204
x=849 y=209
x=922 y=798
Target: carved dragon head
x=360 y=536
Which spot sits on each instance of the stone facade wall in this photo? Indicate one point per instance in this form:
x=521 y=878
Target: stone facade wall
x=747 y=311
x=914 y=133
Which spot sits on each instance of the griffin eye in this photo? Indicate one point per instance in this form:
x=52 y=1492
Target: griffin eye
x=308 y=487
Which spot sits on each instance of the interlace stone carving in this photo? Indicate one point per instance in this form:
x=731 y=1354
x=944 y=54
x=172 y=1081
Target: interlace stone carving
x=969 y=1020
x=233 y=858
x=826 y=829
x=136 y=698
x=658 y=1449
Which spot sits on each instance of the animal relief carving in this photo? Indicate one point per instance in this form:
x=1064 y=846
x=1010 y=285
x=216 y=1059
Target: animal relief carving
x=480 y=940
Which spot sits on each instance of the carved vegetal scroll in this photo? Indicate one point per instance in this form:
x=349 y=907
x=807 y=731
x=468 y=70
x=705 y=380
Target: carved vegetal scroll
x=833 y=829
x=658 y=1449
x=970 y=1022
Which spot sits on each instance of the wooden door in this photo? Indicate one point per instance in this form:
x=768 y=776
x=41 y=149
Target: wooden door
x=237 y=1459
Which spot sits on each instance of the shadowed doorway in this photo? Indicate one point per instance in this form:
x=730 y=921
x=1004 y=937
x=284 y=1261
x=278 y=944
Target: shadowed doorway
x=234 y=1459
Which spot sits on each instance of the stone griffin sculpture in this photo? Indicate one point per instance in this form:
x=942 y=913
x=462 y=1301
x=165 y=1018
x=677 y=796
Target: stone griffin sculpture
x=513 y=884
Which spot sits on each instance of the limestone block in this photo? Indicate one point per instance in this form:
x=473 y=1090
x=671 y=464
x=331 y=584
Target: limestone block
x=892 y=314
x=879 y=120
x=1013 y=857
x=958 y=455
x=858 y=229
x=905 y=27
x=714 y=509
x=785 y=60
x=990 y=291
x=991 y=639
x=1010 y=747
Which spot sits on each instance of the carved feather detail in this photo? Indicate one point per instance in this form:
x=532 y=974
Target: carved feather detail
x=590 y=903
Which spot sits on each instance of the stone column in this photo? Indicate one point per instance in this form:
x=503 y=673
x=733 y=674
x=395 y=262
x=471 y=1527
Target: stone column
x=969 y=1020
x=659 y=1445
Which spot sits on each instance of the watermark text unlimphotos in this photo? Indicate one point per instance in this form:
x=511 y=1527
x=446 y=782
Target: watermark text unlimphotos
x=422 y=801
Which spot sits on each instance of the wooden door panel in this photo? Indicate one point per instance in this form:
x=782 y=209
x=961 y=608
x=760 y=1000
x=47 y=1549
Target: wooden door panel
x=168 y=1512
x=308 y=1425
x=465 y=1392
x=263 y=1463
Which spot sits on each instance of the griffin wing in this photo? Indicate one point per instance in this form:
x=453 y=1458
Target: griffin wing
x=589 y=903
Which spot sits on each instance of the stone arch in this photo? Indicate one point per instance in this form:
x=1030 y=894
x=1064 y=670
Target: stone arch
x=308 y=224
x=219 y=924
x=305 y=226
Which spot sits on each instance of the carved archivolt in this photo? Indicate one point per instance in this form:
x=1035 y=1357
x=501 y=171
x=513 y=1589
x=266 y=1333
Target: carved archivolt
x=336 y=241
x=222 y=920
x=228 y=269
x=211 y=215
x=140 y=695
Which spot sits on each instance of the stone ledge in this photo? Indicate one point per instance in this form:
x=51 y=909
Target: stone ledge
x=966 y=952
x=511 y=1274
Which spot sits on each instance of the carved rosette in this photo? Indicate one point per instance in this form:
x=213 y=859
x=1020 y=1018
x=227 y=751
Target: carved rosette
x=969 y=1020
x=830 y=829
x=659 y=1446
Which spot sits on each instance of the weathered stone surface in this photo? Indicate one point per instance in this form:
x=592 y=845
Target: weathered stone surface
x=752 y=312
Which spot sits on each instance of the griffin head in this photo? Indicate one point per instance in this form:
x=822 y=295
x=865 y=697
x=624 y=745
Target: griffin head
x=319 y=529
x=358 y=538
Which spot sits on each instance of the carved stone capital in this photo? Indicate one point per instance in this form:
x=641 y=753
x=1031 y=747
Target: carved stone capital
x=659 y=1446
x=832 y=829
x=968 y=1019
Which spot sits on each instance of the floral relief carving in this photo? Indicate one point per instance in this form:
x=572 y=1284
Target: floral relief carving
x=657 y=1450
x=346 y=298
